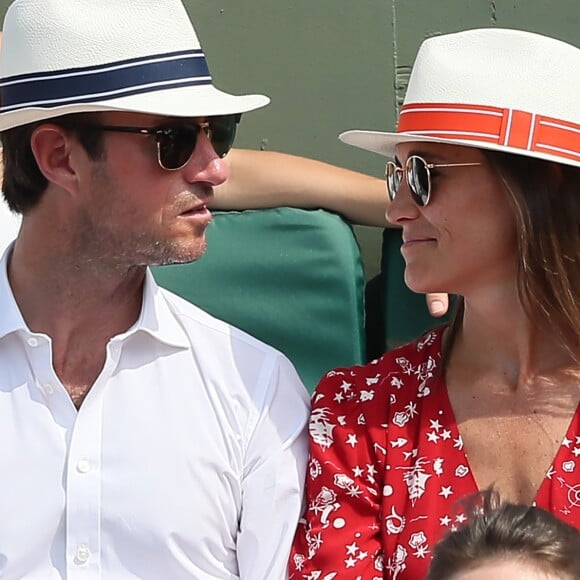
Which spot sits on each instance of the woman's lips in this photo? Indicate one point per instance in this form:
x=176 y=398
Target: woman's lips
x=414 y=239
x=410 y=242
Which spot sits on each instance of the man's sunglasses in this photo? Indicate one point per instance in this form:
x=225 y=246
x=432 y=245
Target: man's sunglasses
x=176 y=141
x=418 y=174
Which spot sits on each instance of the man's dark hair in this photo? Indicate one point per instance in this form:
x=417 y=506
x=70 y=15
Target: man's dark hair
x=23 y=182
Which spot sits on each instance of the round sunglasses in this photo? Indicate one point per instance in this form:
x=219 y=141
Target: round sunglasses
x=418 y=174
x=176 y=141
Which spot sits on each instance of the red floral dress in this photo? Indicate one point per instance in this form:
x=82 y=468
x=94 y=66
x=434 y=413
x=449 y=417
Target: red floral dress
x=387 y=468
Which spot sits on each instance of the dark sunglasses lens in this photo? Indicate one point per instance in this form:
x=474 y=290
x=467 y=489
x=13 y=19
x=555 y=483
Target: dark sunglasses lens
x=393 y=180
x=223 y=132
x=176 y=145
x=418 y=179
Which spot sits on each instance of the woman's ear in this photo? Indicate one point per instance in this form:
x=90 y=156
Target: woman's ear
x=52 y=148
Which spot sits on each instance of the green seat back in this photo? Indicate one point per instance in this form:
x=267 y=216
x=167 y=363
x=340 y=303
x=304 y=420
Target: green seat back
x=291 y=277
x=405 y=313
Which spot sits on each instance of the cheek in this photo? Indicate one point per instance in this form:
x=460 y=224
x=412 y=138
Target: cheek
x=486 y=209
x=486 y=230
x=144 y=204
x=498 y=216
x=131 y=198
x=474 y=222
x=126 y=172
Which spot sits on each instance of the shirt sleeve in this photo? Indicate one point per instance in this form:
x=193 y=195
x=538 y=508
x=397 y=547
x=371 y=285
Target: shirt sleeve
x=273 y=480
x=339 y=536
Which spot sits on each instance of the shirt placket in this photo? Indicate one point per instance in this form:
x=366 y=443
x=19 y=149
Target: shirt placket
x=83 y=482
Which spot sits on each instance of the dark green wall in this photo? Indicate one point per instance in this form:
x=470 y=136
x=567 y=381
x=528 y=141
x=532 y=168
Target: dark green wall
x=331 y=65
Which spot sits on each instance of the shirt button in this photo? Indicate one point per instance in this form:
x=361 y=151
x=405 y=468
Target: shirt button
x=32 y=341
x=49 y=389
x=83 y=466
x=82 y=554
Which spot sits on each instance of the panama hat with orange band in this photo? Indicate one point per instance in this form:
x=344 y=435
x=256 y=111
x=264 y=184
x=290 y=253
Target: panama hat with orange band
x=497 y=89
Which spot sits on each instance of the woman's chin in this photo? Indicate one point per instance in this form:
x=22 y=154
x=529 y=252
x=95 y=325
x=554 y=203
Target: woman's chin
x=420 y=285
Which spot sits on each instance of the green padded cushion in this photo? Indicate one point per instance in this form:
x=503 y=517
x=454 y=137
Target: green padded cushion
x=405 y=313
x=291 y=277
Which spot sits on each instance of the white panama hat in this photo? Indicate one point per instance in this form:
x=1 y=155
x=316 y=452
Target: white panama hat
x=72 y=56
x=498 y=89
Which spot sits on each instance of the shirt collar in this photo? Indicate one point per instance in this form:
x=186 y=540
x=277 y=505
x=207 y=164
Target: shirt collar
x=156 y=317
x=11 y=320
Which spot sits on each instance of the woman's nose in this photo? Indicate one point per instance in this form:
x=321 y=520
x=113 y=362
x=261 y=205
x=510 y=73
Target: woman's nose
x=402 y=208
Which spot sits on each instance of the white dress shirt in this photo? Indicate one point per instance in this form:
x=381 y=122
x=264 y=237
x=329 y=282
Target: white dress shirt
x=186 y=460
x=9 y=224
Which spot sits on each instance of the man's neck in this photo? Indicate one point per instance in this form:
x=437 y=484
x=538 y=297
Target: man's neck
x=79 y=303
x=60 y=293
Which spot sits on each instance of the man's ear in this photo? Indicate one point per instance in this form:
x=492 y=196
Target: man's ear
x=53 y=148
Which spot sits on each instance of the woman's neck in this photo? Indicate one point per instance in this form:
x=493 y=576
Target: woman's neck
x=506 y=340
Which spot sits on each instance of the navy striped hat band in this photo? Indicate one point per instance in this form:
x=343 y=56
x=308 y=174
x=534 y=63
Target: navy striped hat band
x=104 y=82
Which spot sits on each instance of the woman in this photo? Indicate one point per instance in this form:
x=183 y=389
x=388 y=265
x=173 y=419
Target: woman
x=505 y=541
x=486 y=187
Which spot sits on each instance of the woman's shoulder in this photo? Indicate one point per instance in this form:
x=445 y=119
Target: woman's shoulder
x=400 y=367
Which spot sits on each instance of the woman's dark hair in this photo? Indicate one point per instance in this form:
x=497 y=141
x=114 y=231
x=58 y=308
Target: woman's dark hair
x=23 y=182
x=545 y=198
x=508 y=532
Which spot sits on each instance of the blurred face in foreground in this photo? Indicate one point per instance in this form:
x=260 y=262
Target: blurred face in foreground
x=508 y=570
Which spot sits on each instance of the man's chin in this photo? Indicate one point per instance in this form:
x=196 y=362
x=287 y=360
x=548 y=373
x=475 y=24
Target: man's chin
x=177 y=255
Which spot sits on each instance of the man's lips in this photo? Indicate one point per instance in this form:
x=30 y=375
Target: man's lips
x=195 y=202
x=199 y=209
x=196 y=216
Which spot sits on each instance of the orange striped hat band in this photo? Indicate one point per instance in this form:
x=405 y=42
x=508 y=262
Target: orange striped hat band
x=507 y=127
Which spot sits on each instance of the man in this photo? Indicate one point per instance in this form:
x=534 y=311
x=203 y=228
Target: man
x=139 y=437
